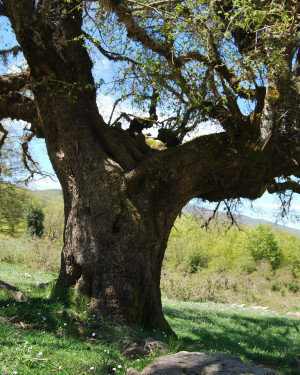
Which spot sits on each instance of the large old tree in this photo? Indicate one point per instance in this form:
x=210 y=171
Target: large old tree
x=234 y=63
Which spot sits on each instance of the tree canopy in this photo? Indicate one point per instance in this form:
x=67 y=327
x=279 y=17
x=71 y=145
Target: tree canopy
x=235 y=63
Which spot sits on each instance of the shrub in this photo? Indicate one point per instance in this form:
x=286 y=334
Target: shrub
x=290 y=250
x=262 y=244
x=275 y=286
x=197 y=260
x=34 y=219
x=293 y=287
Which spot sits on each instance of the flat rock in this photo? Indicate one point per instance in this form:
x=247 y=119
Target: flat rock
x=187 y=363
x=5 y=285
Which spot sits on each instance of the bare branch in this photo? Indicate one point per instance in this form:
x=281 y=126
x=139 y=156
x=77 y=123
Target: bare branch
x=211 y=217
x=29 y=164
x=114 y=108
x=2 y=140
x=112 y=56
x=6 y=52
x=230 y=215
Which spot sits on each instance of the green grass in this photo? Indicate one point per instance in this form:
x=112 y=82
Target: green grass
x=260 y=337
x=43 y=335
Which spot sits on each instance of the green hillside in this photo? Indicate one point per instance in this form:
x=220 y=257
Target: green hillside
x=49 y=196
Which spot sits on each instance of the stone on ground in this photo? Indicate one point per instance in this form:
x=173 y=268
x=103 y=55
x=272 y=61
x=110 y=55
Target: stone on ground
x=187 y=363
x=5 y=285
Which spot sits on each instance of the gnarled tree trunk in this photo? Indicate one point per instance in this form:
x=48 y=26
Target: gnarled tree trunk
x=117 y=219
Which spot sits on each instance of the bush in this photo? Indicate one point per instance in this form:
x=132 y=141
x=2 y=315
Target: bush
x=262 y=245
x=197 y=260
x=13 y=201
x=34 y=219
x=290 y=249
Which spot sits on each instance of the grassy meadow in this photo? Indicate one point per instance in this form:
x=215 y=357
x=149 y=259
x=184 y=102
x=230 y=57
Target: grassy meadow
x=44 y=334
x=213 y=283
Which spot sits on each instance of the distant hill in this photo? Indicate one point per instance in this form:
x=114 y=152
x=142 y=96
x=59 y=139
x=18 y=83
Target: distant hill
x=48 y=196
x=241 y=219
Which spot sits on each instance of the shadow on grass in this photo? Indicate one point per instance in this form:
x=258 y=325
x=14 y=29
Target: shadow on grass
x=64 y=315
x=266 y=340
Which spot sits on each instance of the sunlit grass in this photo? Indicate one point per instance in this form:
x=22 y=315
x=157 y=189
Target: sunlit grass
x=44 y=335
x=261 y=337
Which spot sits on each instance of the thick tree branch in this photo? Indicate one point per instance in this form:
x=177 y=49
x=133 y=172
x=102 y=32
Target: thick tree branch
x=135 y=32
x=13 y=82
x=281 y=187
x=236 y=173
x=17 y=107
x=13 y=9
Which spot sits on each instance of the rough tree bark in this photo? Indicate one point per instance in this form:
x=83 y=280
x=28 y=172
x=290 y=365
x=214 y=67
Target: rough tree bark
x=121 y=197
